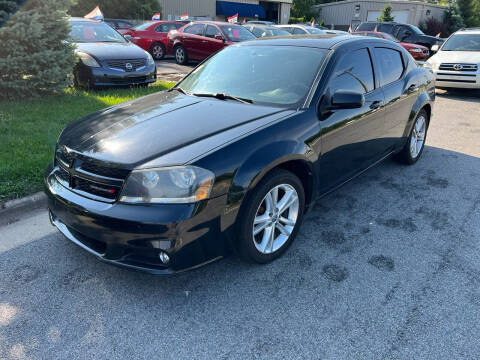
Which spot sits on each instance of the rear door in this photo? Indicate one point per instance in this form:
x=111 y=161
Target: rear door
x=192 y=40
x=352 y=139
x=400 y=89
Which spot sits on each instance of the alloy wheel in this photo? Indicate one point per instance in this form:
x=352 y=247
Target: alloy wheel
x=418 y=137
x=180 y=55
x=275 y=218
x=157 y=51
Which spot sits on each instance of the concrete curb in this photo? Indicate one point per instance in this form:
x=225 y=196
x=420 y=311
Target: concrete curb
x=14 y=209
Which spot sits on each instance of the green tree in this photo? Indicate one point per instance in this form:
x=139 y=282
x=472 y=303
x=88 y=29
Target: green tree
x=118 y=9
x=470 y=11
x=453 y=18
x=304 y=9
x=386 y=14
x=34 y=58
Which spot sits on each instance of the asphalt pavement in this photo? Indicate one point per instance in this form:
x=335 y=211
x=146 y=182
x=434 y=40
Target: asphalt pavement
x=385 y=268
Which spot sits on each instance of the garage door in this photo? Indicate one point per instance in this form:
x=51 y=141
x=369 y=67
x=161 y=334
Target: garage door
x=400 y=16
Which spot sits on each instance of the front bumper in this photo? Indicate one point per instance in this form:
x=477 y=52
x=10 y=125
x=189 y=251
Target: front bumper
x=133 y=236
x=457 y=79
x=105 y=76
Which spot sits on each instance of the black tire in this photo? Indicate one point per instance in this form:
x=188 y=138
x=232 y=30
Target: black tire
x=245 y=245
x=157 y=50
x=180 y=60
x=405 y=155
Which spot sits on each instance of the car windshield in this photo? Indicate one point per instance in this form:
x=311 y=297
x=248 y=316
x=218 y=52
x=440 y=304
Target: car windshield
x=312 y=30
x=274 y=75
x=462 y=42
x=416 y=30
x=84 y=32
x=143 y=26
x=237 y=33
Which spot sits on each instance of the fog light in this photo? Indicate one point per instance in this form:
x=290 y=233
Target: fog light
x=164 y=258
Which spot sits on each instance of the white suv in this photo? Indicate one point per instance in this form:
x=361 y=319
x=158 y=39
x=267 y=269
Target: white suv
x=457 y=62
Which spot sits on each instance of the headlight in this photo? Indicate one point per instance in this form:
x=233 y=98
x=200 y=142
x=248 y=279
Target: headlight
x=174 y=185
x=150 y=60
x=87 y=59
x=416 y=50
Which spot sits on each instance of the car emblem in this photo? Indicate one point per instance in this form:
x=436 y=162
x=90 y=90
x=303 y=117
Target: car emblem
x=458 y=67
x=128 y=66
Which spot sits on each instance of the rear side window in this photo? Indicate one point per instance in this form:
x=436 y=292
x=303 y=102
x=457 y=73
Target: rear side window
x=354 y=72
x=387 y=28
x=367 y=26
x=196 y=29
x=165 y=28
x=391 y=65
x=297 y=31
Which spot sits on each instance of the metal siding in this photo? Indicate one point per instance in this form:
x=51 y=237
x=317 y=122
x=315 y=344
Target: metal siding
x=204 y=8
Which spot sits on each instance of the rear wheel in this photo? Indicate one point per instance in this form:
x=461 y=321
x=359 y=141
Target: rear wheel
x=272 y=217
x=415 y=144
x=157 y=50
x=180 y=55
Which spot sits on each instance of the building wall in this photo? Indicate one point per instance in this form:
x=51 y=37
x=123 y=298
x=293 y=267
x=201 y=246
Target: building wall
x=342 y=14
x=172 y=9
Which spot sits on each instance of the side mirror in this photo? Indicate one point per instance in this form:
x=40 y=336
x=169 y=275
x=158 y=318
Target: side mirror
x=346 y=99
x=128 y=37
x=219 y=37
x=434 y=48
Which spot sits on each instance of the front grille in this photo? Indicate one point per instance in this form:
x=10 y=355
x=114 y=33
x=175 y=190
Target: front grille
x=89 y=177
x=129 y=80
x=124 y=64
x=458 y=67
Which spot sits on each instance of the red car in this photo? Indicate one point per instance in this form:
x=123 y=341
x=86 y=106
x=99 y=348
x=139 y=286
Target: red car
x=418 y=52
x=200 y=39
x=152 y=36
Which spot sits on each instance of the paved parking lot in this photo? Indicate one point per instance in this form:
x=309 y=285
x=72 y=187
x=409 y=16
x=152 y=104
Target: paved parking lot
x=385 y=268
x=169 y=70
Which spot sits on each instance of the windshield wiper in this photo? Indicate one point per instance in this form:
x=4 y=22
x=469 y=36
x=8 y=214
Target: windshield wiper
x=222 y=96
x=178 y=88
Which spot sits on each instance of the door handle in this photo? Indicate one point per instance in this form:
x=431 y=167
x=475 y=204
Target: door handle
x=412 y=87
x=375 y=105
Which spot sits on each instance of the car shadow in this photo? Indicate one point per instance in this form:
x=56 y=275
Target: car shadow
x=459 y=94
x=355 y=246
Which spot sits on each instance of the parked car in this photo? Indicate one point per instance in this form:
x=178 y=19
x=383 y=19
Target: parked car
x=105 y=58
x=266 y=30
x=457 y=62
x=200 y=39
x=152 y=36
x=119 y=24
x=418 y=52
x=260 y=22
x=404 y=32
x=235 y=153
x=337 y=32
x=299 y=29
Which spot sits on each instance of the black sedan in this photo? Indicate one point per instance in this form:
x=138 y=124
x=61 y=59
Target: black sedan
x=105 y=58
x=231 y=160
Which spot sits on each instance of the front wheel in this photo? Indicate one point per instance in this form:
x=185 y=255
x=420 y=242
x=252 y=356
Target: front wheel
x=415 y=144
x=181 y=55
x=271 y=217
x=158 y=51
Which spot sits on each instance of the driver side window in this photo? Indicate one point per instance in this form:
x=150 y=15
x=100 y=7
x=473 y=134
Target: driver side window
x=354 y=72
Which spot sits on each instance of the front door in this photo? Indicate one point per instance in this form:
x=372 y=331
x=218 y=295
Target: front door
x=352 y=139
x=212 y=44
x=193 y=41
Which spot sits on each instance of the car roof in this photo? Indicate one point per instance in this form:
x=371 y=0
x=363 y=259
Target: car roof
x=327 y=41
x=219 y=23
x=475 y=31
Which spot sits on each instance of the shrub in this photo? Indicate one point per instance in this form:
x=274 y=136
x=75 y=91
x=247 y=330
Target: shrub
x=453 y=18
x=118 y=9
x=432 y=26
x=34 y=58
x=386 y=14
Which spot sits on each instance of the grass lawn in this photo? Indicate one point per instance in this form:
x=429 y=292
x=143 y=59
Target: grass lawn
x=29 y=130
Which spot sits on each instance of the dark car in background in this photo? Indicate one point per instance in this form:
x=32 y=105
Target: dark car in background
x=418 y=52
x=200 y=39
x=234 y=154
x=119 y=24
x=152 y=36
x=105 y=58
x=403 y=32
x=265 y=30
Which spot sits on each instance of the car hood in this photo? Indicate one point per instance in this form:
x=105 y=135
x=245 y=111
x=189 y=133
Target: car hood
x=144 y=129
x=468 y=57
x=431 y=39
x=112 y=51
